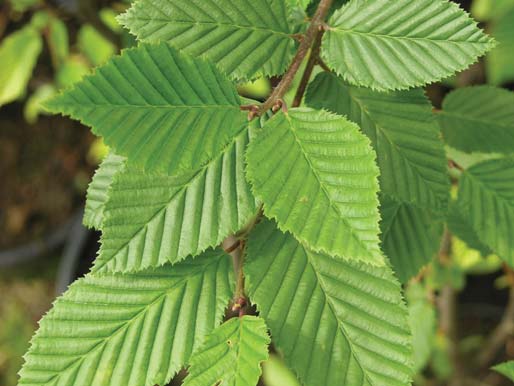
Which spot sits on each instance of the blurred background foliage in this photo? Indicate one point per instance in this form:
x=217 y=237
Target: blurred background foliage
x=46 y=163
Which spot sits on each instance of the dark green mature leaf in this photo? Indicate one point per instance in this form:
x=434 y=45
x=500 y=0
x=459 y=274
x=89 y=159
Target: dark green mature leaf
x=316 y=174
x=133 y=330
x=486 y=198
x=151 y=220
x=479 y=119
x=410 y=236
x=459 y=225
x=506 y=369
x=164 y=111
x=411 y=157
x=336 y=322
x=245 y=38
x=97 y=192
x=388 y=45
x=231 y=355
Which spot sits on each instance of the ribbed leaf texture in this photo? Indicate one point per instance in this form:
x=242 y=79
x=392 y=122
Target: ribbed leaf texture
x=388 y=45
x=479 y=119
x=411 y=157
x=97 y=192
x=410 y=236
x=336 y=322
x=133 y=330
x=231 y=355
x=151 y=220
x=506 y=369
x=164 y=111
x=459 y=225
x=316 y=174
x=486 y=198
x=245 y=38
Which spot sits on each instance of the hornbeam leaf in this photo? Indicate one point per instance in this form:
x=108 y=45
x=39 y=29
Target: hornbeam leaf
x=135 y=329
x=336 y=322
x=231 y=355
x=151 y=220
x=97 y=192
x=388 y=45
x=410 y=236
x=486 y=198
x=479 y=119
x=403 y=131
x=316 y=174
x=506 y=368
x=245 y=38
x=164 y=111
x=460 y=226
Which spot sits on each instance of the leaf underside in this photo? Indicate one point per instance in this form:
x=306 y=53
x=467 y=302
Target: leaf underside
x=388 y=45
x=486 y=198
x=245 y=38
x=336 y=322
x=231 y=355
x=166 y=112
x=97 y=192
x=181 y=215
x=330 y=201
x=135 y=329
x=403 y=131
x=479 y=119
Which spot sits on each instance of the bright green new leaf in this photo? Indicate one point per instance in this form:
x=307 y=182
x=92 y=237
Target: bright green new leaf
x=336 y=322
x=388 y=45
x=500 y=61
x=151 y=220
x=97 y=48
x=97 y=192
x=231 y=355
x=245 y=38
x=506 y=369
x=486 y=198
x=411 y=157
x=136 y=329
x=410 y=236
x=18 y=56
x=485 y=10
x=163 y=110
x=479 y=119
x=316 y=175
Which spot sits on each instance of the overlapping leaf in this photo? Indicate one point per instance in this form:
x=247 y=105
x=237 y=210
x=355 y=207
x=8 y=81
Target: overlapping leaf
x=486 y=198
x=231 y=355
x=410 y=236
x=411 y=157
x=316 y=174
x=336 y=322
x=245 y=38
x=479 y=119
x=97 y=192
x=399 y=44
x=151 y=220
x=459 y=225
x=133 y=330
x=164 y=111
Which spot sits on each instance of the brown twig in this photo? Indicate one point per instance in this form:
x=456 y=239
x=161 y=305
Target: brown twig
x=317 y=24
x=502 y=332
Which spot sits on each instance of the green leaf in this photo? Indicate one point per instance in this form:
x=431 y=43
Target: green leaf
x=245 y=38
x=485 y=10
x=316 y=174
x=479 y=119
x=18 y=56
x=460 y=226
x=336 y=322
x=231 y=355
x=389 y=45
x=163 y=110
x=410 y=236
x=506 y=368
x=151 y=220
x=403 y=131
x=500 y=61
x=486 y=198
x=136 y=329
x=97 y=192
x=97 y=48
